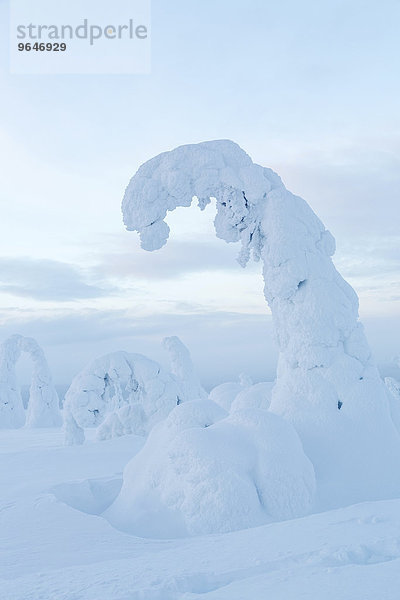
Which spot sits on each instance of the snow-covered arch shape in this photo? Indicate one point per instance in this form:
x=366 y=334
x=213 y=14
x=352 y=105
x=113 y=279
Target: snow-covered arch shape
x=327 y=384
x=43 y=407
x=124 y=393
x=133 y=386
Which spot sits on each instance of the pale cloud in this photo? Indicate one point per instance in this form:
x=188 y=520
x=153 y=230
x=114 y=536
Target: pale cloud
x=47 y=280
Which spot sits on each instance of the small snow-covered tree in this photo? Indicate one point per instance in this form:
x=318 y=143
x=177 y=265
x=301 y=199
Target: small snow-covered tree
x=12 y=414
x=393 y=387
x=73 y=434
x=183 y=369
x=327 y=384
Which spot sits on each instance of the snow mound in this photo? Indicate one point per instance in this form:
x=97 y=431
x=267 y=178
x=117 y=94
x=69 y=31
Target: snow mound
x=43 y=405
x=202 y=472
x=327 y=384
x=255 y=396
x=225 y=393
x=138 y=390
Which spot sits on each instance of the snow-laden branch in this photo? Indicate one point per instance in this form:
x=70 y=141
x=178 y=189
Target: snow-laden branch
x=219 y=169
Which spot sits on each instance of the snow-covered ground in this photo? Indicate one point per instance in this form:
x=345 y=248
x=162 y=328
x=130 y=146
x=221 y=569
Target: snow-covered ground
x=55 y=545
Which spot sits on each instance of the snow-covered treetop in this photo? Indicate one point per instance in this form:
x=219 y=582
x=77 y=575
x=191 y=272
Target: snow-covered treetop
x=218 y=169
x=10 y=351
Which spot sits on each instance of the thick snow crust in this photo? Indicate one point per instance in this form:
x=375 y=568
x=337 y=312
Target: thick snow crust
x=327 y=384
x=201 y=471
x=43 y=406
x=126 y=393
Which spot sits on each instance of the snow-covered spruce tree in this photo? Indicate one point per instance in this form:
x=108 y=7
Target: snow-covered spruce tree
x=327 y=384
x=73 y=434
x=183 y=369
x=394 y=393
x=43 y=407
x=12 y=414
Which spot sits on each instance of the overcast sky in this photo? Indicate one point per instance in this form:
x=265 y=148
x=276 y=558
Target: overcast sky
x=310 y=89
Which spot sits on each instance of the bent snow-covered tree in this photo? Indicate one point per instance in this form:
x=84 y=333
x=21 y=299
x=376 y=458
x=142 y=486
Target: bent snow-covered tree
x=122 y=393
x=327 y=384
x=43 y=406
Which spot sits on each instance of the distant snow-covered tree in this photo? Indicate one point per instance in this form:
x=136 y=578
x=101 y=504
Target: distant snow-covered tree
x=73 y=434
x=43 y=406
x=183 y=369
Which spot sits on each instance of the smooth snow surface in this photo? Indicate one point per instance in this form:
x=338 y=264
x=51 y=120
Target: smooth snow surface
x=225 y=393
x=125 y=393
x=254 y=396
x=43 y=406
x=327 y=385
x=200 y=473
x=55 y=545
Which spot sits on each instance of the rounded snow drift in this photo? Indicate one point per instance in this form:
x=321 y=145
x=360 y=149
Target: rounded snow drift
x=225 y=393
x=255 y=396
x=202 y=472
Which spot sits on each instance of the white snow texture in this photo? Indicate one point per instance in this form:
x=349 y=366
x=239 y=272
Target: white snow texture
x=327 y=385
